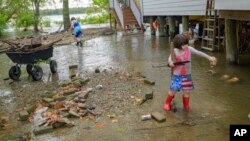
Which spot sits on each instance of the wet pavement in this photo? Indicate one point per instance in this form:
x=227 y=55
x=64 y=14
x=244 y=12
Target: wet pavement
x=215 y=103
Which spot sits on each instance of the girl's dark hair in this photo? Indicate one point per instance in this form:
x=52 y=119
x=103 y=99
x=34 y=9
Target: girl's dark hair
x=73 y=18
x=180 y=40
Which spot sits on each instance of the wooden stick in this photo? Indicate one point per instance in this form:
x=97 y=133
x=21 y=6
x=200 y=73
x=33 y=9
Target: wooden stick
x=176 y=64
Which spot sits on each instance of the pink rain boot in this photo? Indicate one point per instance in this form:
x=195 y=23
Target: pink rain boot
x=186 y=104
x=167 y=105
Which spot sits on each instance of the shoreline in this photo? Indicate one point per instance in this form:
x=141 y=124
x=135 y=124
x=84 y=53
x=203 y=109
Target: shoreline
x=67 y=37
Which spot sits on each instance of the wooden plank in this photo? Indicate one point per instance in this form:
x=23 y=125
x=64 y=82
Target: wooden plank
x=173 y=7
x=232 y=4
x=231 y=42
x=235 y=15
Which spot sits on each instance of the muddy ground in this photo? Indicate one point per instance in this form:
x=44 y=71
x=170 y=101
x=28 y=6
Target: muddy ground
x=120 y=93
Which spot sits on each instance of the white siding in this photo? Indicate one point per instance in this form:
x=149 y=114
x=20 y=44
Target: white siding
x=173 y=7
x=232 y=4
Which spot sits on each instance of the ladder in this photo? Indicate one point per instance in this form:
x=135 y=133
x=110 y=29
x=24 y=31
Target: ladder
x=211 y=38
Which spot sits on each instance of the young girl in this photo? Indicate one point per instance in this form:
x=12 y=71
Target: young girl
x=77 y=30
x=181 y=72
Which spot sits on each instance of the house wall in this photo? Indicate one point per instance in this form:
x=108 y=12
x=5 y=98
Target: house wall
x=232 y=4
x=173 y=7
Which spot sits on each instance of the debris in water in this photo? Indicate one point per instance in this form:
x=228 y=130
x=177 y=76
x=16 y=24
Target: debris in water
x=233 y=80
x=146 y=117
x=211 y=72
x=224 y=77
x=149 y=82
x=99 y=125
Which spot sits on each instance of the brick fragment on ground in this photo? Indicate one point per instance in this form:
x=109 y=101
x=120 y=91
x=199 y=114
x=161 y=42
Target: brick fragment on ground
x=23 y=115
x=158 y=117
x=42 y=130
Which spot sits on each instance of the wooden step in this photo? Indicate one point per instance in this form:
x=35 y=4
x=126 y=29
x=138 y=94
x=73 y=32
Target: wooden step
x=209 y=29
x=209 y=19
x=221 y=37
x=208 y=39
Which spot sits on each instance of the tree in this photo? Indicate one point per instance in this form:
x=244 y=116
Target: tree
x=66 y=20
x=9 y=9
x=36 y=4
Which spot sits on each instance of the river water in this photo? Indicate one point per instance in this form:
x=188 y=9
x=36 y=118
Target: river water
x=215 y=103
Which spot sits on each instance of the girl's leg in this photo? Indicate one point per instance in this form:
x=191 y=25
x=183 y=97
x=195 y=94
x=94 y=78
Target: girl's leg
x=170 y=97
x=185 y=100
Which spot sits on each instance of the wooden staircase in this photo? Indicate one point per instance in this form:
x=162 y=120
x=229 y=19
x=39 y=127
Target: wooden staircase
x=129 y=18
x=211 y=39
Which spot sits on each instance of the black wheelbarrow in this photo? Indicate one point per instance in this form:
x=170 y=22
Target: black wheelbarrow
x=31 y=60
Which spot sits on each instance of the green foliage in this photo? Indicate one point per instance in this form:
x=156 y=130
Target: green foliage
x=102 y=4
x=90 y=10
x=46 y=23
x=94 y=19
x=79 y=10
x=9 y=9
x=24 y=20
x=2 y=22
x=58 y=22
x=99 y=6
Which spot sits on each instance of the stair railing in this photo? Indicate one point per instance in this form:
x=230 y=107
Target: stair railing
x=119 y=12
x=111 y=4
x=136 y=12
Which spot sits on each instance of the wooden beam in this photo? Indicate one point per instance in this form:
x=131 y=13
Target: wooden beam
x=185 y=23
x=161 y=24
x=171 y=23
x=235 y=15
x=232 y=55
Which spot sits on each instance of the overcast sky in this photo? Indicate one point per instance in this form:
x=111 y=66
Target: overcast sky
x=72 y=3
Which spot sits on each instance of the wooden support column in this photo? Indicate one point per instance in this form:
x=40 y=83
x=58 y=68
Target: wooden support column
x=161 y=24
x=171 y=22
x=232 y=55
x=115 y=24
x=110 y=20
x=152 y=19
x=185 y=23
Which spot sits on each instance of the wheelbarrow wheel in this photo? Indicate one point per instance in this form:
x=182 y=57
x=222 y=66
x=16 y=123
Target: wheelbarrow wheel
x=14 y=72
x=53 y=66
x=37 y=73
x=29 y=69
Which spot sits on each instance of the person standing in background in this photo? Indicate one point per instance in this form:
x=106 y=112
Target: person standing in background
x=75 y=25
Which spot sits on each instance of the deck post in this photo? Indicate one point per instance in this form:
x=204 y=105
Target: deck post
x=162 y=22
x=171 y=22
x=185 y=23
x=232 y=55
x=152 y=19
x=110 y=20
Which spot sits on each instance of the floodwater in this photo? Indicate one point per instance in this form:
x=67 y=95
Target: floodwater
x=215 y=103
